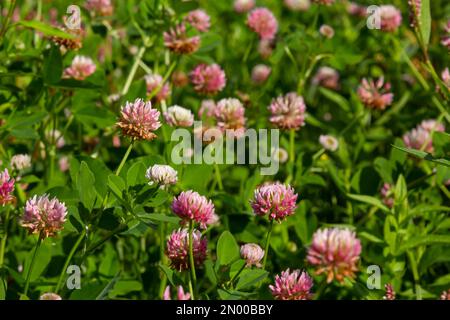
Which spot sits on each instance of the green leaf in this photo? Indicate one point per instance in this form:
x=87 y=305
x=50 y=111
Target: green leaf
x=400 y=189
x=424 y=155
x=369 y=200
x=136 y=174
x=370 y=237
x=336 y=98
x=116 y=184
x=43 y=257
x=232 y=294
x=425 y=21
x=424 y=241
x=53 y=65
x=85 y=186
x=124 y=287
x=161 y=197
x=76 y=84
x=3 y=287
x=46 y=29
x=227 y=249
x=250 y=277
x=90 y=291
x=99 y=117
x=104 y=293
x=160 y=217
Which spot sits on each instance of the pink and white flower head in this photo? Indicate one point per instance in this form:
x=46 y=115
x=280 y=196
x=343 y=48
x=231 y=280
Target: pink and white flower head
x=207 y=108
x=252 y=254
x=178 y=249
x=295 y=285
x=178 y=41
x=391 y=18
x=357 y=10
x=64 y=164
x=432 y=125
x=325 y=2
x=208 y=79
x=335 y=252
x=6 y=188
x=265 y=48
x=446 y=38
x=329 y=142
x=50 y=296
x=100 y=7
x=139 y=120
x=229 y=114
x=326 y=77
x=55 y=136
x=81 y=68
x=162 y=175
x=445 y=295
x=241 y=6
x=177 y=116
x=414 y=12
x=276 y=200
x=44 y=216
x=390 y=293
x=420 y=137
x=263 y=22
x=260 y=73
x=297 y=5
x=375 y=94
x=387 y=194
x=199 y=19
x=288 y=112
x=180 y=294
x=20 y=162
x=156 y=87
x=327 y=31
x=191 y=206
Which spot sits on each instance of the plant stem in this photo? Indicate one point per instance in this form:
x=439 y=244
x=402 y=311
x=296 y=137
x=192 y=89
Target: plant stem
x=5 y=23
x=30 y=269
x=38 y=18
x=415 y=275
x=133 y=70
x=5 y=235
x=66 y=264
x=193 y=276
x=125 y=157
x=266 y=249
x=291 y=155
x=162 y=235
x=237 y=274
x=218 y=176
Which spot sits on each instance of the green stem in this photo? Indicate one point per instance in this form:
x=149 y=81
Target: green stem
x=38 y=18
x=30 y=269
x=133 y=70
x=5 y=235
x=193 y=276
x=291 y=155
x=124 y=159
x=266 y=249
x=218 y=176
x=5 y=23
x=69 y=258
x=415 y=273
x=162 y=256
x=237 y=274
